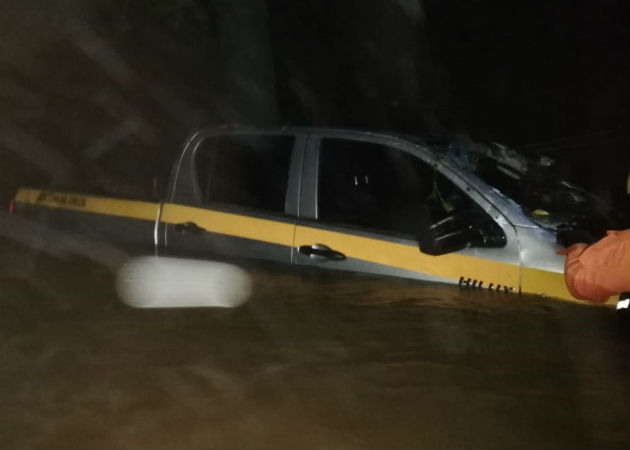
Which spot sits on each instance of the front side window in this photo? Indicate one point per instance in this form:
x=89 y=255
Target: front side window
x=248 y=171
x=380 y=188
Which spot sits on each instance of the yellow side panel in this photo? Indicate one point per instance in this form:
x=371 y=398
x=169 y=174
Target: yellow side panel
x=541 y=282
x=231 y=224
x=79 y=202
x=451 y=266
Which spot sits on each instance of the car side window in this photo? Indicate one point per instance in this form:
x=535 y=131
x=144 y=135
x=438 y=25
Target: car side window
x=385 y=189
x=249 y=171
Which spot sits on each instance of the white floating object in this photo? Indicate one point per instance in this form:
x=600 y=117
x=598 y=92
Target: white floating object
x=161 y=282
x=623 y=304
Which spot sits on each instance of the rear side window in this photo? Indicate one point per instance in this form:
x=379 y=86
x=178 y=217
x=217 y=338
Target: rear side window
x=247 y=171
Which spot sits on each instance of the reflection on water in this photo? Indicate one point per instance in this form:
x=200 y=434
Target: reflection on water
x=311 y=361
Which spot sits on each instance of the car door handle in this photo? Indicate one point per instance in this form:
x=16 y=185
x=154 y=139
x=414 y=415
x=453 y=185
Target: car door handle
x=188 y=228
x=321 y=252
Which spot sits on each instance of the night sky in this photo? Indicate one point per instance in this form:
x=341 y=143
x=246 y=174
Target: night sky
x=537 y=70
x=541 y=76
x=514 y=71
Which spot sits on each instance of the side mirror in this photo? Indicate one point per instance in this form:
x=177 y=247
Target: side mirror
x=451 y=234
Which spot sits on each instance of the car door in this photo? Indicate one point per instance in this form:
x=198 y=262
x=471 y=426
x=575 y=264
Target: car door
x=234 y=197
x=365 y=200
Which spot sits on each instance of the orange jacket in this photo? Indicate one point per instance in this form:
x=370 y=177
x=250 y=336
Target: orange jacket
x=595 y=272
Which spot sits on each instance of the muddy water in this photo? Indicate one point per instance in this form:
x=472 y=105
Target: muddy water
x=309 y=362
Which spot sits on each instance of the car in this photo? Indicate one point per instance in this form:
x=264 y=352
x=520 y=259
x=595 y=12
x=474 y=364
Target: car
x=361 y=201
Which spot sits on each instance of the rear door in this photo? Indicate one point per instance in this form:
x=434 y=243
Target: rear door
x=364 y=200
x=234 y=197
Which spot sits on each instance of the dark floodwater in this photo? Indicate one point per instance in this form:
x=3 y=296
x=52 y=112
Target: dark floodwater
x=309 y=362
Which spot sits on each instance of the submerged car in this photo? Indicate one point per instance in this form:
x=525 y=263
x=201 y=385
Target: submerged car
x=339 y=199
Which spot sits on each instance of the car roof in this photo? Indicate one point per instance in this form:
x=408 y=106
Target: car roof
x=322 y=130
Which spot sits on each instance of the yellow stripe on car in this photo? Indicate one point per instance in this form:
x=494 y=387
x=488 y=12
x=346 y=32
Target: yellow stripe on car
x=398 y=255
x=451 y=266
x=87 y=203
x=551 y=284
x=231 y=224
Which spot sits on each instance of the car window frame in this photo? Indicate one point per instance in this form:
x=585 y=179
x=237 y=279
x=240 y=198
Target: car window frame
x=186 y=189
x=309 y=201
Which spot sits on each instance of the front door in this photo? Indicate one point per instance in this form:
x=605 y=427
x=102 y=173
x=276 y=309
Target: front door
x=364 y=203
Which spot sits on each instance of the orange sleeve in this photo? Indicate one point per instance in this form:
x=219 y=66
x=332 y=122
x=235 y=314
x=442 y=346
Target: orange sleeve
x=598 y=271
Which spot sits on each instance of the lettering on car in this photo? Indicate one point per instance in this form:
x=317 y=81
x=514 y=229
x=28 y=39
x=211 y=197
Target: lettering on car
x=61 y=199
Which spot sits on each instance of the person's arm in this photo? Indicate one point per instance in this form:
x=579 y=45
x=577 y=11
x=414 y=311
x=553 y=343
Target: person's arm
x=581 y=280
x=595 y=272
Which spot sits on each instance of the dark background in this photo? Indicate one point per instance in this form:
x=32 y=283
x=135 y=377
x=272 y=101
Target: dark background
x=108 y=85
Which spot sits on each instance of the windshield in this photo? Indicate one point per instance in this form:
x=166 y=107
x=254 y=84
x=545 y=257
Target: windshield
x=535 y=185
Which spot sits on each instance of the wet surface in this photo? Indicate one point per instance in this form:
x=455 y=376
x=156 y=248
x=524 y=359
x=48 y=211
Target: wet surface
x=310 y=361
